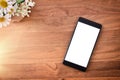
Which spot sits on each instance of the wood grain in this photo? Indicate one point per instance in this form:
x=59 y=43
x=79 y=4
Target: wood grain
x=34 y=48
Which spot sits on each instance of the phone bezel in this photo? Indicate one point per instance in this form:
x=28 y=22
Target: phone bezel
x=88 y=22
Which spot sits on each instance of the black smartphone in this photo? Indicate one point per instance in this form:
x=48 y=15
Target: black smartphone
x=82 y=44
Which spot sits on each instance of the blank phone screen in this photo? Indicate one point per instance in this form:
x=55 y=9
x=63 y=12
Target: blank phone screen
x=82 y=44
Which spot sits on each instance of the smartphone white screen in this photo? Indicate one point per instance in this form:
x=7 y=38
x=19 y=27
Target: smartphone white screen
x=82 y=44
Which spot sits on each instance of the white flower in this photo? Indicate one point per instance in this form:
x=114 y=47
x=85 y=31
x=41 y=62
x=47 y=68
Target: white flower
x=13 y=9
x=31 y=3
x=5 y=5
x=4 y=20
x=23 y=10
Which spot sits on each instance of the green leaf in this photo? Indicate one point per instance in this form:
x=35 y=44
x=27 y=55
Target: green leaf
x=19 y=1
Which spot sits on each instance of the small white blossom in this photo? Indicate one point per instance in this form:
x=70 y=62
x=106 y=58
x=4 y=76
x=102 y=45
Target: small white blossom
x=24 y=8
x=31 y=3
x=13 y=9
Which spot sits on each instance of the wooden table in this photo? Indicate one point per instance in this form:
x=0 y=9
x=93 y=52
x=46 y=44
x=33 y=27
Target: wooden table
x=34 y=48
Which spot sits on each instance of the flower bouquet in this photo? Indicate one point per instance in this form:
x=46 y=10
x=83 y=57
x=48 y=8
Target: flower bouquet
x=10 y=8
